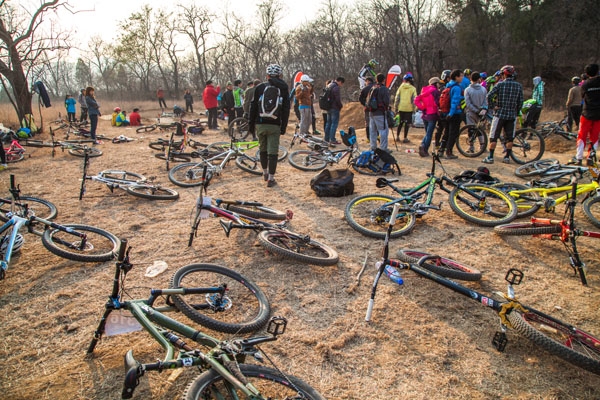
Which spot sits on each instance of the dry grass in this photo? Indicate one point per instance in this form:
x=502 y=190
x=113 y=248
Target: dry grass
x=425 y=342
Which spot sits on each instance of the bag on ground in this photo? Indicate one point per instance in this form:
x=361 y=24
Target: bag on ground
x=335 y=183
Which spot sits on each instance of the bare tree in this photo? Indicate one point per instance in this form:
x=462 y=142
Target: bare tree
x=100 y=57
x=195 y=22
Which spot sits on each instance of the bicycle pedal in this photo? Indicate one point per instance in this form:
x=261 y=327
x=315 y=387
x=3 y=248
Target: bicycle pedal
x=500 y=341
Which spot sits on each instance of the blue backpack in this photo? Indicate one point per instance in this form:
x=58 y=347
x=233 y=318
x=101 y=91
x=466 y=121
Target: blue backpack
x=364 y=159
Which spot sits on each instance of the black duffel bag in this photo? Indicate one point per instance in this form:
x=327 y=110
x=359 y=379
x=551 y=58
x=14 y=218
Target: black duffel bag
x=336 y=183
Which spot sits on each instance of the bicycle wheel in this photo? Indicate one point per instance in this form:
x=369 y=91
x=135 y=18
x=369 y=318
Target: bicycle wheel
x=591 y=208
x=243 y=308
x=370 y=215
x=563 y=340
x=147 y=128
x=152 y=192
x=527 y=229
x=307 y=160
x=122 y=176
x=298 y=247
x=281 y=154
x=238 y=129
x=471 y=141
x=527 y=203
x=14 y=157
x=187 y=174
x=256 y=211
x=219 y=147
x=528 y=145
x=249 y=164
x=536 y=167
x=173 y=157
x=35 y=207
x=100 y=245
x=441 y=266
x=482 y=205
x=270 y=383
x=159 y=145
x=81 y=152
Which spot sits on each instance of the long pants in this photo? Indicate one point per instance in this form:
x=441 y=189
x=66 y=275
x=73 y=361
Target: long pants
x=573 y=117
x=333 y=118
x=441 y=134
x=378 y=126
x=71 y=117
x=2 y=154
x=189 y=107
x=305 y=119
x=268 y=141
x=84 y=114
x=368 y=124
x=161 y=103
x=588 y=128
x=453 y=131
x=429 y=128
x=212 y=118
x=93 y=125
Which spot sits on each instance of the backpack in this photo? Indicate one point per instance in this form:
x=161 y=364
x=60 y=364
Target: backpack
x=270 y=102
x=445 y=100
x=384 y=163
x=325 y=100
x=364 y=159
x=348 y=138
x=482 y=175
x=372 y=104
x=336 y=183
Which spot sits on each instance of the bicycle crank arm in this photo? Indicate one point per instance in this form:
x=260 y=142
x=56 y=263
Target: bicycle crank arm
x=228 y=226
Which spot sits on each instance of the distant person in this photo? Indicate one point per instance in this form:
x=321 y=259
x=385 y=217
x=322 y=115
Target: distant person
x=93 y=112
x=209 y=97
x=404 y=104
x=533 y=114
x=269 y=128
x=238 y=99
x=113 y=118
x=429 y=102
x=70 y=103
x=442 y=123
x=83 y=106
x=324 y=112
x=189 y=101
x=574 y=101
x=362 y=98
x=476 y=104
x=304 y=96
x=294 y=101
x=377 y=118
x=333 y=114
x=134 y=118
x=454 y=116
x=121 y=119
x=160 y=94
x=229 y=101
x=466 y=82
x=249 y=95
x=3 y=165
x=589 y=123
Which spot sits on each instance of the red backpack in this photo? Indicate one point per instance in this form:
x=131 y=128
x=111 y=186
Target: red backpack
x=445 y=101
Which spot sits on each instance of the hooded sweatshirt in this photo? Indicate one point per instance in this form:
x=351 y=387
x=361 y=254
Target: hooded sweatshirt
x=405 y=96
x=456 y=97
x=284 y=114
x=475 y=98
x=429 y=102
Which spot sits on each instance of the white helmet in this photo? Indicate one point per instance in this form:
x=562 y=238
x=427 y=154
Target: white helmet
x=19 y=240
x=274 y=70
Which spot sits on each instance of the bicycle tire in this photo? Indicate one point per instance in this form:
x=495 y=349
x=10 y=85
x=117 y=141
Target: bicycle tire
x=442 y=266
x=527 y=204
x=249 y=164
x=306 y=160
x=498 y=208
x=152 y=192
x=245 y=309
x=256 y=211
x=173 y=157
x=558 y=338
x=35 y=207
x=281 y=153
x=91 y=152
x=527 y=229
x=366 y=215
x=468 y=143
x=238 y=129
x=148 y=128
x=295 y=247
x=158 y=146
x=219 y=147
x=187 y=174
x=591 y=208
x=14 y=157
x=534 y=168
x=270 y=383
x=103 y=244
x=122 y=176
x=528 y=145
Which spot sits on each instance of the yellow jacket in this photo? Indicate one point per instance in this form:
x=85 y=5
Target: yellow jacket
x=405 y=97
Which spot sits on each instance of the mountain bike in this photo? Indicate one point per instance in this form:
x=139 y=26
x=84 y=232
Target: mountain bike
x=556 y=337
x=528 y=144
x=132 y=183
x=238 y=130
x=158 y=125
x=551 y=170
x=78 y=147
x=14 y=152
x=552 y=128
x=477 y=203
x=563 y=230
x=71 y=241
x=320 y=157
x=223 y=372
x=274 y=237
x=310 y=140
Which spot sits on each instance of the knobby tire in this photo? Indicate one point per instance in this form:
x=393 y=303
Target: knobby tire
x=294 y=247
x=498 y=207
x=370 y=216
x=442 y=266
x=101 y=245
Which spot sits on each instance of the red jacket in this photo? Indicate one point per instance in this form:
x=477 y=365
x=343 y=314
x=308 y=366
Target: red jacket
x=135 y=119
x=209 y=96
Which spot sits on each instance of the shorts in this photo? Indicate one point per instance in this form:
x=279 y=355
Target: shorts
x=498 y=124
x=268 y=137
x=406 y=116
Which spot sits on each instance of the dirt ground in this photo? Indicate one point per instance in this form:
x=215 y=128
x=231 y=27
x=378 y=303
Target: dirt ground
x=424 y=341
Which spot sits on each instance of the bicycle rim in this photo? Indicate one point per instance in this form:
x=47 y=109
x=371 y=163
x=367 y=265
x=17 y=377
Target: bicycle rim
x=281 y=154
x=527 y=203
x=528 y=145
x=14 y=157
x=152 y=192
x=100 y=245
x=591 y=208
x=471 y=141
x=35 y=207
x=482 y=205
x=187 y=175
x=298 y=248
x=249 y=164
x=91 y=152
x=535 y=167
x=306 y=160
x=122 y=176
x=441 y=266
x=238 y=129
x=370 y=215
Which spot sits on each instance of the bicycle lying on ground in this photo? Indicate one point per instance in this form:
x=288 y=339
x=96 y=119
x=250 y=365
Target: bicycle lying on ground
x=320 y=156
x=134 y=184
x=477 y=203
x=558 y=338
x=158 y=125
x=275 y=237
x=552 y=128
x=14 y=152
x=563 y=230
x=72 y=241
x=77 y=147
x=550 y=172
x=223 y=372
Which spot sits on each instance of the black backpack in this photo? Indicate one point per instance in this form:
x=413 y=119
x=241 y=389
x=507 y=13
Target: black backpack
x=325 y=100
x=372 y=103
x=482 y=175
x=270 y=102
x=336 y=183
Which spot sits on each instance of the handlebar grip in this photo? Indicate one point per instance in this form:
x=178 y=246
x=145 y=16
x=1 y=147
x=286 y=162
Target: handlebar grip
x=369 y=310
x=394 y=214
x=12 y=181
x=574 y=188
x=122 y=249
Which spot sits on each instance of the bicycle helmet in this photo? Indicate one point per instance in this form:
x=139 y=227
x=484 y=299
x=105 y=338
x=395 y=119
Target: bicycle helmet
x=483 y=75
x=497 y=73
x=576 y=80
x=508 y=70
x=467 y=72
x=117 y=109
x=373 y=63
x=19 y=240
x=274 y=70
x=445 y=74
x=408 y=76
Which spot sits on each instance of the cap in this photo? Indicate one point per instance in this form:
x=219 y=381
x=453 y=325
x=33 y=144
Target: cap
x=434 y=80
x=305 y=78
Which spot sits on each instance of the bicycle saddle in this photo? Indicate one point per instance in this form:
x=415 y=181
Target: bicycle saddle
x=383 y=182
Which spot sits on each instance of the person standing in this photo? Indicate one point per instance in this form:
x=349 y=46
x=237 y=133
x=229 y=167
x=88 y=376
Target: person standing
x=160 y=94
x=304 y=96
x=377 y=118
x=209 y=97
x=249 y=95
x=404 y=104
x=270 y=128
x=429 y=102
x=574 y=104
x=70 y=103
x=442 y=124
x=229 y=102
x=506 y=99
x=83 y=106
x=324 y=112
x=589 y=123
x=533 y=114
x=333 y=114
x=362 y=98
x=454 y=116
x=238 y=99
x=93 y=112
x=189 y=101
x=476 y=104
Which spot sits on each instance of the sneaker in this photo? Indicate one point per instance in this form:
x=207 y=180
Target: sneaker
x=574 y=161
x=405 y=140
x=271 y=183
x=265 y=177
x=506 y=160
x=488 y=160
x=450 y=156
x=97 y=142
x=3 y=167
x=422 y=152
x=335 y=141
x=316 y=132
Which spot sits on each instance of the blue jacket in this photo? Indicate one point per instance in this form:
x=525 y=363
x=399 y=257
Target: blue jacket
x=93 y=106
x=456 y=97
x=465 y=83
x=70 y=103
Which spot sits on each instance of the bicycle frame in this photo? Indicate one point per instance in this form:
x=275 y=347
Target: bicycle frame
x=550 y=203
x=14 y=150
x=16 y=223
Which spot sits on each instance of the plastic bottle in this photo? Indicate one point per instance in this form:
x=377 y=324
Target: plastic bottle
x=393 y=274
x=410 y=150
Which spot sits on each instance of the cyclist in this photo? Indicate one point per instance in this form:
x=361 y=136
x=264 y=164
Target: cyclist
x=367 y=70
x=404 y=104
x=589 y=124
x=574 y=104
x=533 y=114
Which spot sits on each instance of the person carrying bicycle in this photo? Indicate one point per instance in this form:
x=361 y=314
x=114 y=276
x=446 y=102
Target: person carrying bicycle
x=269 y=115
x=506 y=99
